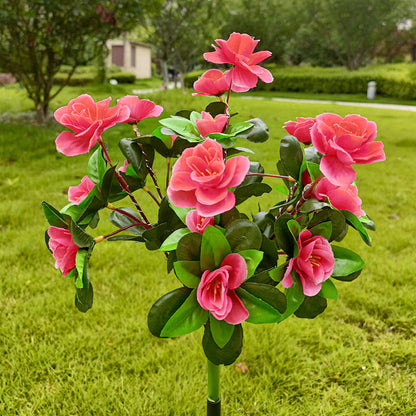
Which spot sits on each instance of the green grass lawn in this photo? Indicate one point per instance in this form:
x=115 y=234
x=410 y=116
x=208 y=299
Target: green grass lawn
x=358 y=358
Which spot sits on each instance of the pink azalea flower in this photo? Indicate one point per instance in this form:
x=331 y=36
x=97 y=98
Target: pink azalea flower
x=196 y=223
x=216 y=292
x=207 y=124
x=211 y=82
x=238 y=51
x=124 y=167
x=140 y=109
x=314 y=264
x=76 y=194
x=63 y=248
x=88 y=120
x=201 y=178
x=340 y=197
x=344 y=142
x=301 y=128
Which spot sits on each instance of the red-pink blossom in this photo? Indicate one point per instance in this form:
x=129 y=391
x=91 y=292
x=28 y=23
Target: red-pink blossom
x=216 y=292
x=124 y=167
x=76 y=194
x=196 y=223
x=139 y=109
x=208 y=124
x=340 y=197
x=63 y=248
x=211 y=82
x=88 y=120
x=314 y=263
x=344 y=142
x=301 y=128
x=201 y=178
x=238 y=51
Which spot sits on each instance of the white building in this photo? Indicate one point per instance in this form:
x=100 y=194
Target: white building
x=131 y=56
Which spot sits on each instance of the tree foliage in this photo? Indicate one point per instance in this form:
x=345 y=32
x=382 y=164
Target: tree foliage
x=38 y=37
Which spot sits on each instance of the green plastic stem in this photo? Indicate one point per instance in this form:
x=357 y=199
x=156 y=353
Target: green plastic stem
x=213 y=382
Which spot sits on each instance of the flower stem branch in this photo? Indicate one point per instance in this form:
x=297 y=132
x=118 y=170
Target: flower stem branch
x=168 y=160
x=214 y=400
x=148 y=164
x=132 y=217
x=104 y=237
x=123 y=183
x=147 y=190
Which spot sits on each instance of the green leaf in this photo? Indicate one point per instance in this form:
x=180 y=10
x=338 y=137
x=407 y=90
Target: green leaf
x=134 y=155
x=346 y=261
x=215 y=108
x=120 y=220
x=264 y=303
x=283 y=236
x=253 y=259
x=229 y=353
x=313 y=169
x=291 y=156
x=164 y=308
x=243 y=235
x=189 y=247
x=54 y=217
x=253 y=189
x=339 y=226
x=311 y=307
x=187 y=318
x=221 y=331
x=172 y=241
x=294 y=295
x=180 y=212
x=357 y=224
x=277 y=273
x=214 y=247
x=188 y=272
x=79 y=236
x=259 y=133
x=84 y=298
x=235 y=129
x=324 y=229
x=183 y=127
x=328 y=290
x=97 y=166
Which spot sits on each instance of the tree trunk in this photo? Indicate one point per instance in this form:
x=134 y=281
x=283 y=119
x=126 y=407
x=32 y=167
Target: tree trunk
x=164 y=70
x=42 y=112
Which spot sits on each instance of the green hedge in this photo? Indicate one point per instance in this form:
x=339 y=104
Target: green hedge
x=392 y=82
x=88 y=77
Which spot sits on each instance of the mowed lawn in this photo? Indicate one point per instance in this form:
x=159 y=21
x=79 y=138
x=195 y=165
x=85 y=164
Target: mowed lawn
x=357 y=358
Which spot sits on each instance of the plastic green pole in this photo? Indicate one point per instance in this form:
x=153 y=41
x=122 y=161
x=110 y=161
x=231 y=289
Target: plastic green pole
x=214 y=399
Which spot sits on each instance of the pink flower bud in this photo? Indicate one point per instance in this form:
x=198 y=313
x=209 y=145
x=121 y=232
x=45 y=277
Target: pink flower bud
x=76 y=194
x=139 y=109
x=63 y=248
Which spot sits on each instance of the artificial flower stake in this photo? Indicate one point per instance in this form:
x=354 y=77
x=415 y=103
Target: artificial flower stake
x=232 y=268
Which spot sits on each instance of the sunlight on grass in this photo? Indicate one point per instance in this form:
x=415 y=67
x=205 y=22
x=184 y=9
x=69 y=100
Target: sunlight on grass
x=358 y=358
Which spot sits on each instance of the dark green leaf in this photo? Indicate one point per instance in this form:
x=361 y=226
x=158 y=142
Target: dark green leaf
x=356 y=223
x=84 y=298
x=291 y=156
x=259 y=133
x=283 y=236
x=339 y=226
x=253 y=189
x=134 y=155
x=120 y=220
x=324 y=229
x=189 y=247
x=216 y=108
x=243 y=235
x=229 y=353
x=54 y=217
x=79 y=236
x=154 y=237
x=311 y=307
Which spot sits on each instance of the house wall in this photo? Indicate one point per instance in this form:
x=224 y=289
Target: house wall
x=130 y=56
